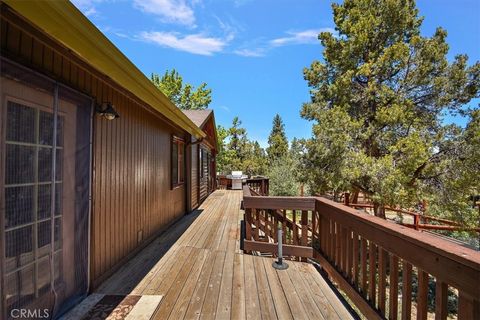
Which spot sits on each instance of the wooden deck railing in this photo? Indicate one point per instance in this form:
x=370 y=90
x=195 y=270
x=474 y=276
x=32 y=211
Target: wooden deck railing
x=259 y=185
x=385 y=269
x=262 y=216
x=420 y=221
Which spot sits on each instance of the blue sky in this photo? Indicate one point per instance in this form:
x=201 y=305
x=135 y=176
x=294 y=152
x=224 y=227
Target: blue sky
x=251 y=53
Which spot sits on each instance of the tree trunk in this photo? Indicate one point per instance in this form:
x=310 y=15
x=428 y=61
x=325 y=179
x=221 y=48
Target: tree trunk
x=354 y=199
x=379 y=210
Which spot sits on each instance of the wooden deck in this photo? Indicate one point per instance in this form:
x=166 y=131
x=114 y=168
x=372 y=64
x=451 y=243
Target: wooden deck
x=199 y=269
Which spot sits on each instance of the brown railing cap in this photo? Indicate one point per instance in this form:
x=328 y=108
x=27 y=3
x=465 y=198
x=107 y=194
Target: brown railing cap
x=443 y=247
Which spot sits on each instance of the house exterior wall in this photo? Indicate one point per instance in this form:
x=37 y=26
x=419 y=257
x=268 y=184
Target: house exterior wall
x=132 y=198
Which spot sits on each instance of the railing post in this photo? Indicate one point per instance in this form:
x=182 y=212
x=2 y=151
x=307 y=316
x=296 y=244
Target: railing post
x=416 y=221
x=346 y=199
x=441 y=290
x=280 y=264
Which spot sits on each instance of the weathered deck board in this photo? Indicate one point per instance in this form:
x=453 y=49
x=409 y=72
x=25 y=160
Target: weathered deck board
x=198 y=268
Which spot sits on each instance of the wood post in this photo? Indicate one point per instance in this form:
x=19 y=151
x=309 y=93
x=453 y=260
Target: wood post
x=372 y=258
x=441 y=310
x=406 y=290
x=468 y=307
x=346 y=199
x=422 y=295
x=382 y=279
x=393 y=310
x=416 y=221
x=363 y=257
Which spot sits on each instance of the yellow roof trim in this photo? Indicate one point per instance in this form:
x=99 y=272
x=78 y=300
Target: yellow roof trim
x=66 y=24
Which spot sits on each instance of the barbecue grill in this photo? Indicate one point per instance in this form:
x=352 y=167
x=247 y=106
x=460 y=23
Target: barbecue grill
x=238 y=178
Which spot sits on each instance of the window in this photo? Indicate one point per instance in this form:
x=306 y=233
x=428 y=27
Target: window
x=203 y=163
x=28 y=197
x=178 y=164
x=200 y=154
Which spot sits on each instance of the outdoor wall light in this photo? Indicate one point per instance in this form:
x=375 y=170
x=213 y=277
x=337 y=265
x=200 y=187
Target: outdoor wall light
x=107 y=111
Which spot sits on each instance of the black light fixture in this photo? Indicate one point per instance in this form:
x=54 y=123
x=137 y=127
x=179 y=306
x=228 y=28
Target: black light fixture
x=107 y=111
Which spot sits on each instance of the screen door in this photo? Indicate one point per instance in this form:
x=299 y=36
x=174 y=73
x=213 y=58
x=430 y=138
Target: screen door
x=45 y=185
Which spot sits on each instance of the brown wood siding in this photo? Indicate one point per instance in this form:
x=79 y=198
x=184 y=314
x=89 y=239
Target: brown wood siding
x=132 y=198
x=194 y=176
x=131 y=185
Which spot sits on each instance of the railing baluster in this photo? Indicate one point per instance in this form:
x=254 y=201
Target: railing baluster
x=343 y=237
x=248 y=231
x=468 y=308
x=364 y=267
x=337 y=245
x=406 y=290
x=294 y=231
x=372 y=268
x=393 y=310
x=441 y=290
x=422 y=294
x=315 y=224
x=275 y=227
x=349 y=254
x=257 y=224
x=331 y=253
x=304 y=222
x=382 y=277
x=284 y=226
x=267 y=225
x=325 y=234
x=355 y=259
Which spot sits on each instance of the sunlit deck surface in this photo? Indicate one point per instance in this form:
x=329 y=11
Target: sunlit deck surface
x=199 y=269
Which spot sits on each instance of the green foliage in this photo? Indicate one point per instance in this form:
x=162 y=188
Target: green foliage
x=277 y=141
x=378 y=99
x=183 y=95
x=238 y=139
x=237 y=152
x=283 y=181
x=255 y=162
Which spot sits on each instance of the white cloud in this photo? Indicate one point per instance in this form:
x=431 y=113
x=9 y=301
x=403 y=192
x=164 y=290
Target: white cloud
x=175 y=11
x=230 y=29
x=260 y=48
x=300 y=37
x=227 y=109
x=257 y=52
x=192 y=43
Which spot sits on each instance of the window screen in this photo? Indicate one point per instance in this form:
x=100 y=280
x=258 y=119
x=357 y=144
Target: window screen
x=28 y=194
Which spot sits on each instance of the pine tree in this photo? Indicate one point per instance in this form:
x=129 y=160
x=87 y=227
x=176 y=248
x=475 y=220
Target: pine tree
x=379 y=96
x=277 y=141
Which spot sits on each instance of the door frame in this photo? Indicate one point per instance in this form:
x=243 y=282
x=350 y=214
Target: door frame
x=3 y=99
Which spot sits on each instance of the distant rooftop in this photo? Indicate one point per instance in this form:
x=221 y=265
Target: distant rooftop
x=199 y=117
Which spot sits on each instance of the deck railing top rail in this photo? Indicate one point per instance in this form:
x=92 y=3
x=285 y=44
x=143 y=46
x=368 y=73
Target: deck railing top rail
x=460 y=254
